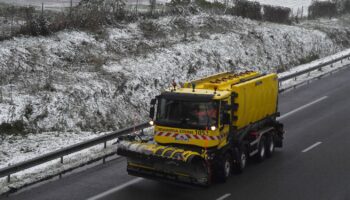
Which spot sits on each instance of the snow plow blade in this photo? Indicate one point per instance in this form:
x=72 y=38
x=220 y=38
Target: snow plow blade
x=159 y=162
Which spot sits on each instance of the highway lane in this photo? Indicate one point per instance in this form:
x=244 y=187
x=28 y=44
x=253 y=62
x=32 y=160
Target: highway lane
x=319 y=173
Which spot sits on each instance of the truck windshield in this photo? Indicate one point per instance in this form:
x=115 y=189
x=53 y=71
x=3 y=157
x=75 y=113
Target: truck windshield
x=187 y=113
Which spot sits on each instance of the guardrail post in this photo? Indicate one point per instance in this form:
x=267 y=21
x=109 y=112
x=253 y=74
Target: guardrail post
x=61 y=159
x=105 y=145
x=8 y=178
x=341 y=61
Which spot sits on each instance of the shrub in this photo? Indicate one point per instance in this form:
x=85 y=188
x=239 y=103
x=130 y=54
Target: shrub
x=322 y=9
x=151 y=30
x=248 y=9
x=28 y=111
x=16 y=127
x=89 y=15
x=309 y=58
x=37 y=26
x=345 y=6
x=179 y=6
x=277 y=14
x=215 y=6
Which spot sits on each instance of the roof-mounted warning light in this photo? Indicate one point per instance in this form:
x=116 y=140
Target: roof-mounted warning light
x=174 y=85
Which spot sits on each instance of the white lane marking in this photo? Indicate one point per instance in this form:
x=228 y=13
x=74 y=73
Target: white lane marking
x=311 y=147
x=224 y=196
x=302 y=107
x=113 y=190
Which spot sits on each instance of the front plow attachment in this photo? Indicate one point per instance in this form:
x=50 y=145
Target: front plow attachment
x=164 y=163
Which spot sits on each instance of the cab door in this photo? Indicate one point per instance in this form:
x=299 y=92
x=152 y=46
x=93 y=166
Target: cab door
x=224 y=120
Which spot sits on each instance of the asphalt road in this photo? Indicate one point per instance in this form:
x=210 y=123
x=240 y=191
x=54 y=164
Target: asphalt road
x=314 y=163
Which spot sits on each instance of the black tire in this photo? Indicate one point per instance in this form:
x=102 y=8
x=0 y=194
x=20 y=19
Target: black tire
x=225 y=168
x=270 y=146
x=240 y=160
x=261 y=150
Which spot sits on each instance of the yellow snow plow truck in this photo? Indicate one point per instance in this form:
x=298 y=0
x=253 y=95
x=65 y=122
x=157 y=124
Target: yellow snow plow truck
x=207 y=129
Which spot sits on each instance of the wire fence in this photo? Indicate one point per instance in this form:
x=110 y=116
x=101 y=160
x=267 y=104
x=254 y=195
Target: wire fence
x=14 y=15
x=49 y=4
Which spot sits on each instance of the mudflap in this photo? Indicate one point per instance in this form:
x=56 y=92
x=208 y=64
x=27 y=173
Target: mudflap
x=278 y=137
x=159 y=166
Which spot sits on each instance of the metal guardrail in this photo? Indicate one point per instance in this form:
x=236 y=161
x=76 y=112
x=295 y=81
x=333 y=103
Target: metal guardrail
x=316 y=67
x=308 y=70
x=8 y=171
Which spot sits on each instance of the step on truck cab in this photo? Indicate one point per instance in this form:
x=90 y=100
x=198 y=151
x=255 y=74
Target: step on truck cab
x=207 y=129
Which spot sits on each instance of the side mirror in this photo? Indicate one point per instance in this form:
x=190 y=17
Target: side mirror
x=153 y=102
x=226 y=119
x=151 y=112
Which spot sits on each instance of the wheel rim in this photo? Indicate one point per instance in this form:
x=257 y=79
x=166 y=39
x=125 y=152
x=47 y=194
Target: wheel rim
x=243 y=160
x=227 y=168
x=262 y=151
x=272 y=146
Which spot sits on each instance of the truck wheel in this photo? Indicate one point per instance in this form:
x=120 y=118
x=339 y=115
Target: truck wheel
x=225 y=169
x=270 y=146
x=261 y=150
x=241 y=161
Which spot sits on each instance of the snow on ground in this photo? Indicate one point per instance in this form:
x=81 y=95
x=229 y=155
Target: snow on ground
x=337 y=28
x=19 y=148
x=76 y=83
x=54 y=167
x=316 y=73
x=315 y=63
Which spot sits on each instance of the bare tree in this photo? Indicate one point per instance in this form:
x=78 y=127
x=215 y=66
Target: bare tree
x=1 y=93
x=153 y=5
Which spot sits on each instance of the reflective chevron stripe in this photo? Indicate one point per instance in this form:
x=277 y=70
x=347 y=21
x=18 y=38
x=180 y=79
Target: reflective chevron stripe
x=189 y=136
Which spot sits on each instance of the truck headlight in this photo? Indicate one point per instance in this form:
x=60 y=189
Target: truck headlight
x=213 y=128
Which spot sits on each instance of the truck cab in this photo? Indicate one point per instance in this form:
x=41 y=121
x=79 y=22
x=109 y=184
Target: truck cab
x=197 y=119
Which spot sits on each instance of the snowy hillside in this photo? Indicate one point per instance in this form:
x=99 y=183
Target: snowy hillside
x=76 y=81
